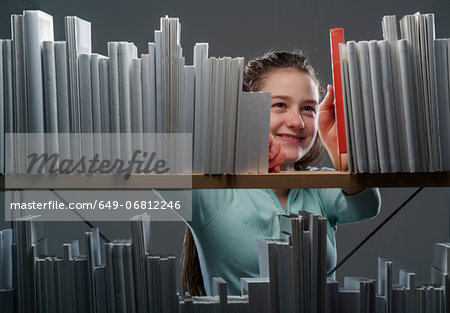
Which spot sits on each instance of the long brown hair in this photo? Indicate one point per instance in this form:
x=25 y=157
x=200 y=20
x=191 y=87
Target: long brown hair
x=254 y=73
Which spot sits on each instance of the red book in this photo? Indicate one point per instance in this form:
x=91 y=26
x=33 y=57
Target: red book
x=337 y=37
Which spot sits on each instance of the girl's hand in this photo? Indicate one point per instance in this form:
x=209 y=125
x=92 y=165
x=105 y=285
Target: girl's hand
x=327 y=126
x=276 y=156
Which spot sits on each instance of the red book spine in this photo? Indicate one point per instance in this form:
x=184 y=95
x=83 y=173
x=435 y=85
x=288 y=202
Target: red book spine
x=337 y=37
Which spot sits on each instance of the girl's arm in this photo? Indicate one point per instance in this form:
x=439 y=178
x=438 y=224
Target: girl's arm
x=327 y=132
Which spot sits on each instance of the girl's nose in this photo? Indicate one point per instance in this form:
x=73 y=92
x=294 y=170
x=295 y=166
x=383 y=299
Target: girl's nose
x=295 y=120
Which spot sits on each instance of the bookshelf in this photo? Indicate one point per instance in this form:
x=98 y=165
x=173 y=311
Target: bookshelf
x=316 y=179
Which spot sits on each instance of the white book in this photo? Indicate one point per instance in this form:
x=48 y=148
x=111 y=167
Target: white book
x=62 y=94
x=19 y=85
x=105 y=108
x=87 y=141
x=389 y=107
x=38 y=27
x=232 y=96
x=50 y=98
x=78 y=38
x=129 y=279
x=384 y=282
x=378 y=106
x=146 y=92
x=367 y=106
x=408 y=105
x=243 y=132
x=20 y=77
x=158 y=82
x=140 y=234
x=349 y=126
x=258 y=99
x=357 y=106
x=216 y=114
x=148 y=109
x=110 y=282
x=408 y=281
x=151 y=127
x=201 y=107
x=187 y=112
x=432 y=88
x=113 y=55
x=264 y=132
x=119 y=277
x=390 y=33
x=136 y=104
x=442 y=80
x=96 y=103
x=6 y=277
x=409 y=27
x=125 y=54
x=101 y=303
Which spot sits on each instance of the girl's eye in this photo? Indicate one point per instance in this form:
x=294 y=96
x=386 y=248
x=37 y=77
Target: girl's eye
x=279 y=105
x=309 y=108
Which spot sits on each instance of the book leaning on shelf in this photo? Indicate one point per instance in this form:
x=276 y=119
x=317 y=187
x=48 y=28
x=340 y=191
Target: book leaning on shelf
x=395 y=98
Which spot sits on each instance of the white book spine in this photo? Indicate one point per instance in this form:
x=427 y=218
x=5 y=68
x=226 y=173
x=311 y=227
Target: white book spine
x=124 y=57
x=62 y=93
x=50 y=103
x=146 y=94
x=378 y=107
x=96 y=106
x=390 y=33
x=136 y=104
x=349 y=127
x=105 y=107
x=408 y=105
x=38 y=27
x=20 y=77
x=432 y=87
x=87 y=142
x=158 y=82
x=153 y=90
x=50 y=97
x=389 y=107
x=367 y=102
x=201 y=107
x=442 y=79
x=243 y=133
x=357 y=107
x=188 y=112
x=114 y=99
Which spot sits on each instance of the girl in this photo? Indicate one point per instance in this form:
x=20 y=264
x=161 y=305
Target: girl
x=227 y=223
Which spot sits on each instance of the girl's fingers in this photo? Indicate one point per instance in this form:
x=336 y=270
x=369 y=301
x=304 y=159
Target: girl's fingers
x=277 y=160
x=327 y=103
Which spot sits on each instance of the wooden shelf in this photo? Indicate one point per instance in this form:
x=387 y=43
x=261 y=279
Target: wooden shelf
x=315 y=179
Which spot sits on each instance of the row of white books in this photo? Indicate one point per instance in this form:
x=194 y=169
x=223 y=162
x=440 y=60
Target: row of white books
x=126 y=277
x=60 y=87
x=396 y=98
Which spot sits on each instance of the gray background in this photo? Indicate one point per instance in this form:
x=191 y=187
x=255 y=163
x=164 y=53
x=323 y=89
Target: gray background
x=248 y=28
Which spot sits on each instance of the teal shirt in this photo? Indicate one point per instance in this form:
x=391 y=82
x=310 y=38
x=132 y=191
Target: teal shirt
x=228 y=222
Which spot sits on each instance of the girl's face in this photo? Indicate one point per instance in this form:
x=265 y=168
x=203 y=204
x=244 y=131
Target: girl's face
x=293 y=122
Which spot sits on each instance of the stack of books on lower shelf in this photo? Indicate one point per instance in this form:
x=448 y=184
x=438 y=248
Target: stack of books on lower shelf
x=394 y=97
x=131 y=279
x=107 y=103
